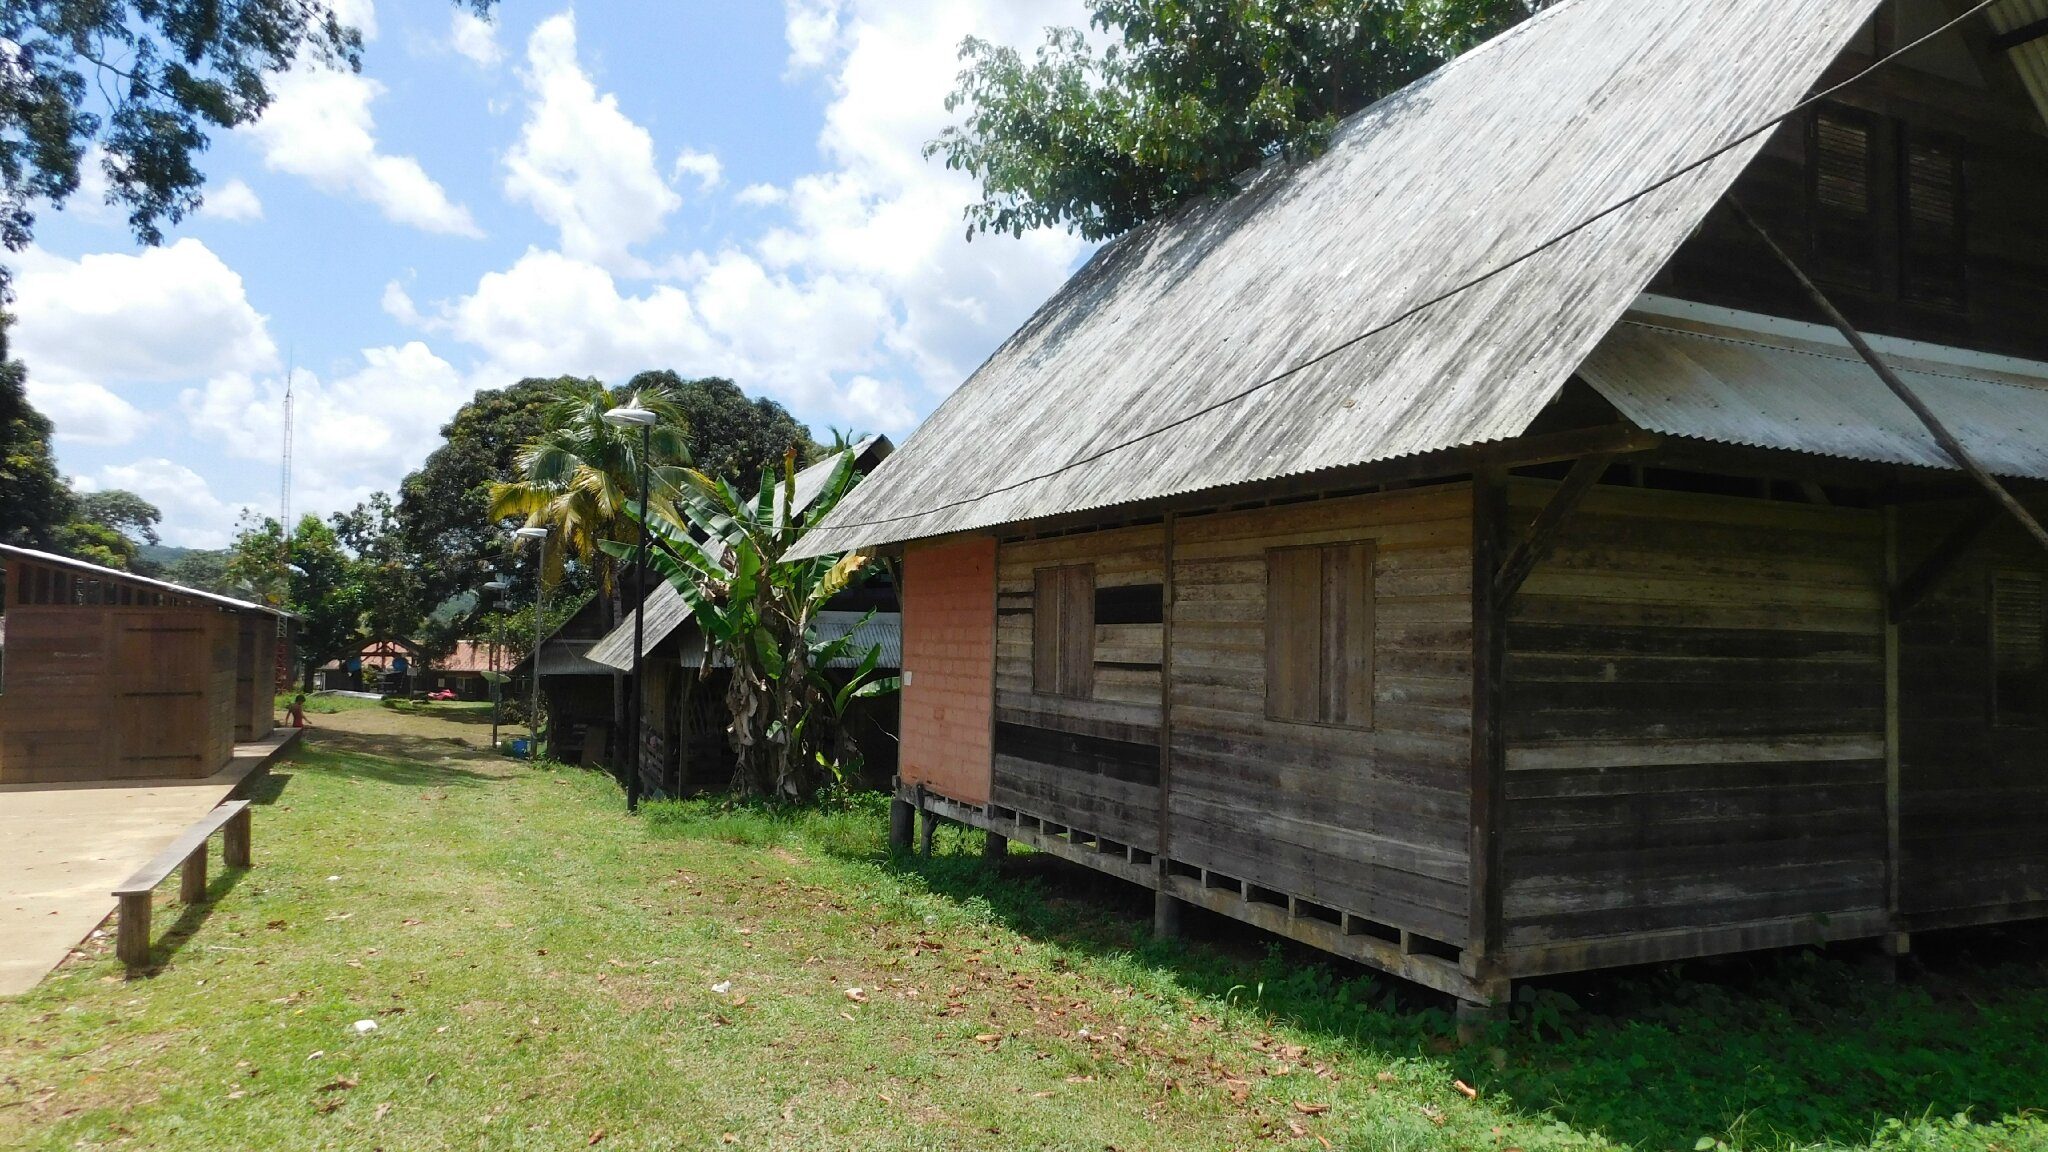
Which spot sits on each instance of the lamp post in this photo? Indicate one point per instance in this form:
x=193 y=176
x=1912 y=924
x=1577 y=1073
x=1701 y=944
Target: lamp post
x=635 y=417
x=499 y=585
x=540 y=596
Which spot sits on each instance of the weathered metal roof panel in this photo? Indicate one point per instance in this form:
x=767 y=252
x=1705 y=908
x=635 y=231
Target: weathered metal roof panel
x=1131 y=382
x=1771 y=390
x=666 y=608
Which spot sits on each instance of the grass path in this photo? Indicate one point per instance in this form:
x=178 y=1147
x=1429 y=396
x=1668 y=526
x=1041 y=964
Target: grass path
x=544 y=973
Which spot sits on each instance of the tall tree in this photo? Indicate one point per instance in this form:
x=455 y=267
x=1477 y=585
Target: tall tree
x=1188 y=95
x=147 y=81
x=123 y=511
x=578 y=477
x=454 y=545
x=342 y=596
x=35 y=503
x=730 y=435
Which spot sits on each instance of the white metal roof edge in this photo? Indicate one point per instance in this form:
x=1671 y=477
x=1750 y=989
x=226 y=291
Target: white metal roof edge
x=41 y=557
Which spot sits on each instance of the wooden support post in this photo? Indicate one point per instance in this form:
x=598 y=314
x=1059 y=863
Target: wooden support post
x=1474 y=1019
x=1488 y=761
x=1905 y=592
x=234 y=841
x=192 y=877
x=927 y=824
x=994 y=850
x=1165 y=909
x=1942 y=436
x=902 y=824
x=1891 y=717
x=131 y=938
x=1541 y=536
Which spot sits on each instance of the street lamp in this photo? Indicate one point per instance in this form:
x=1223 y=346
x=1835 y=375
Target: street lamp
x=635 y=417
x=540 y=595
x=499 y=585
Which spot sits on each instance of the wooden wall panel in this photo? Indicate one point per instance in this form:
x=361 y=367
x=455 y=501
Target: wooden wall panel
x=1694 y=718
x=109 y=692
x=1088 y=760
x=948 y=641
x=1370 y=821
x=1973 y=800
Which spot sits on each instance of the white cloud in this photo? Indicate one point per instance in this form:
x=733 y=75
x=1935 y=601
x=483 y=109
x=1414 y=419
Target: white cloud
x=360 y=15
x=398 y=305
x=234 y=200
x=812 y=28
x=704 y=166
x=193 y=516
x=760 y=195
x=353 y=435
x=87 y=413
x=581 y=163
x=161 y=314
x=320 y=129
x=475 y=37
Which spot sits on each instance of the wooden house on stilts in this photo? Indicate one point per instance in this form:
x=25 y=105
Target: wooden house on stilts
x=1475 y=552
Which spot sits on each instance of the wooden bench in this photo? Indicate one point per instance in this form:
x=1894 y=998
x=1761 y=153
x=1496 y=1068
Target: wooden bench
x=188 y=854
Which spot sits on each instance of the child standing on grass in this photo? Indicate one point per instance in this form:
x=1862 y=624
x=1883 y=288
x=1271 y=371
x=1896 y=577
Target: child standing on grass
x=295 y=712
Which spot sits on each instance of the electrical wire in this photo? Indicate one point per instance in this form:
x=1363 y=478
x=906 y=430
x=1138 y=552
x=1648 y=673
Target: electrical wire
x=1410 y=312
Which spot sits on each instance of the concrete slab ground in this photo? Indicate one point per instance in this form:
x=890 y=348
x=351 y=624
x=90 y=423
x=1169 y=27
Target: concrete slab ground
x=63 y=848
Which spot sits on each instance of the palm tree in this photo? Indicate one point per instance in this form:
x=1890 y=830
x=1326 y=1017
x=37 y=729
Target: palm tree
x=581 y=476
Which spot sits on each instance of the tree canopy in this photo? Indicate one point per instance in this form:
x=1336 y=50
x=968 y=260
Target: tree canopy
x=1187 y=95
x=730 y=435
x=35 y=503
x=147 y=81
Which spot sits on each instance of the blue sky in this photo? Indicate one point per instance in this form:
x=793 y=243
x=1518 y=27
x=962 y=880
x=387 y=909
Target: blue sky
x=718 y=188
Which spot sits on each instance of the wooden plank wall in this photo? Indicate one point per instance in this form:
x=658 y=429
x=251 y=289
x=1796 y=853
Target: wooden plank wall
x=1090 y=762
x=1367 y=821
x=255 y=669
x=110 y=692
x=1973 y=796
x=1694 y=721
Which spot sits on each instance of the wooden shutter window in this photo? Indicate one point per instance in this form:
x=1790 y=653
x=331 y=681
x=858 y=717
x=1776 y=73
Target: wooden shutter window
x=1063 y=631
x=1931 y=242
x=1842 y=152
x=1319 y=634
x=2019 y=649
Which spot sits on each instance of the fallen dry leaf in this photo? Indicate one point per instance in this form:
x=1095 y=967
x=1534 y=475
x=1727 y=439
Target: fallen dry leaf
x=857 y=995
x=338 y=1084
x=987 y=1038
x=1386 y=1077
x=594 y=1138
x=1465 y=1090
x=383 y=1110
x=1307 y=1109
x=731 y=1139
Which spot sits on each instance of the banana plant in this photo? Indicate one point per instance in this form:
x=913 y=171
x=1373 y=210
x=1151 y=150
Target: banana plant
x=723 y=553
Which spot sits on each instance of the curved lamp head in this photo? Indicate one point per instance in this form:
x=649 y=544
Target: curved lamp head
x=630 y=417
x=531 y=533
x=497 y=585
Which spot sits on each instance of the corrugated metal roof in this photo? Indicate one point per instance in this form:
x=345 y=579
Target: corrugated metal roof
x=569 y=658
x=884 y=630
x=105 y=573
x=666 y=608
x=1456 y=176
x=2031 y=58
x=1772 y=389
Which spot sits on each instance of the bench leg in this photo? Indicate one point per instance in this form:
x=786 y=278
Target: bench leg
x=234 y=841
x=131 y=939
x=192 y=877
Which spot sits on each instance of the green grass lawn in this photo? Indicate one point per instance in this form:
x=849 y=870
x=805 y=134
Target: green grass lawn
x=544 y=972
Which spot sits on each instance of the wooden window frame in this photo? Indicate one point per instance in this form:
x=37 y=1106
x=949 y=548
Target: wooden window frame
x=1063 y=631
x=1335 y=687
x=1912 y=139
x=2038 y=718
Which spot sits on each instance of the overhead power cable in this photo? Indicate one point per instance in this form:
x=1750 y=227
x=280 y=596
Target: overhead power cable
x=1446 y=294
